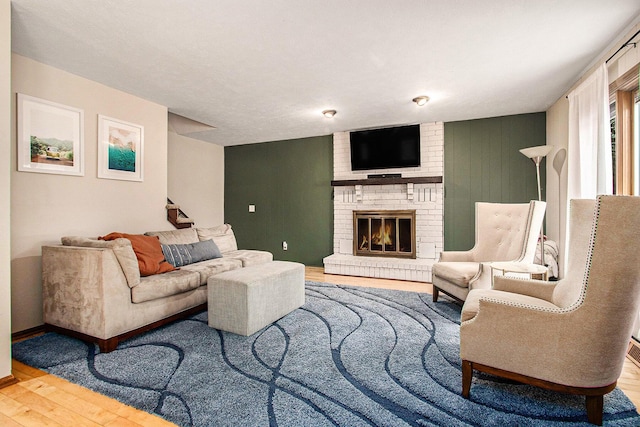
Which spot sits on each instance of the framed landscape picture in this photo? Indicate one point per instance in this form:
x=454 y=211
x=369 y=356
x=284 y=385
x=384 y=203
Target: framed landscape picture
x=120 y=149
x=50 y=137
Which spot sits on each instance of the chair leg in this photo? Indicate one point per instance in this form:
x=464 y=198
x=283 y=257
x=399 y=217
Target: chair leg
x=436 y=294
x=467 y=375
x=595 y=406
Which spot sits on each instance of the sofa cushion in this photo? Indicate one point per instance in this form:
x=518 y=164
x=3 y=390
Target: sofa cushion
x=250 y=257
x=212 y=267
x=148 y=252
x=458 y=273
x=164 y=285
x=122 y=249
x=176 y=237
x=222 y=235
x=179 y=255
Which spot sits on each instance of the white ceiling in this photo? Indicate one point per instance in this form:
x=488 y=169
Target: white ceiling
x=264 y=70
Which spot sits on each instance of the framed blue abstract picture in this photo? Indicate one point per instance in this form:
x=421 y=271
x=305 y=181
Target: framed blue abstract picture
x=120 y=149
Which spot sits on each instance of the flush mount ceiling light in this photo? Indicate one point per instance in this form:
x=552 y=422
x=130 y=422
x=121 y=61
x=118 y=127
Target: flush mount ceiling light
x=329 y=113
x=420 y=100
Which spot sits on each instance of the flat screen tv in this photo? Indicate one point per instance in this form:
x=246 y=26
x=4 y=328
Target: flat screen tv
x=388 y=148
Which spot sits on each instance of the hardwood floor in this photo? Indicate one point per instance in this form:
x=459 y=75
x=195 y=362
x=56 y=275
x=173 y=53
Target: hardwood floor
x=316 y=274
x=40 y=399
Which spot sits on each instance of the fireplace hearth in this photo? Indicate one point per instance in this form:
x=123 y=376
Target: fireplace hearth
x=384 y=233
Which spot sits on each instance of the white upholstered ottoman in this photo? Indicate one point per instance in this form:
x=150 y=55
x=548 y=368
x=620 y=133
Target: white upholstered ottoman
x=245 y=300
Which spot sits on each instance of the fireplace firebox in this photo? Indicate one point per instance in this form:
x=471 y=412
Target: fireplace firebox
x=385 y=233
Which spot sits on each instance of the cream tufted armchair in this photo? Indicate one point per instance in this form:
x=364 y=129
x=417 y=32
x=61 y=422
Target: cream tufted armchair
x=569 y=336
x=504 y=232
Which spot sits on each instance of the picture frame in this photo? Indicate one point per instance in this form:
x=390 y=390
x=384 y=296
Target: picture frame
x=50 y=137
x=120 y=149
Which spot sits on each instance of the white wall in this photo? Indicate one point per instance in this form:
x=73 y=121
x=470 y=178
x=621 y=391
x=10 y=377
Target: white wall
x=45 y=207
x=627 y=59
x=558 y=132
x=196 y=179
x=556 y=193
x=5 y=143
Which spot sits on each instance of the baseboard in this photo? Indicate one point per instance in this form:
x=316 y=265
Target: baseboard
x=7 y=381
x=27 y=333
x=633 y=353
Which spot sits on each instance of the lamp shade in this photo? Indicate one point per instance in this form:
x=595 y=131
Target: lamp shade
x=537 y=154
x=539 y=151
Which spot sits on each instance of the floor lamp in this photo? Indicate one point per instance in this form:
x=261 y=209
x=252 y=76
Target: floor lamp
x=536 y=154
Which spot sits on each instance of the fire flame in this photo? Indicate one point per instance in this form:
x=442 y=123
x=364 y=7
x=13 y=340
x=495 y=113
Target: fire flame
x=363 y=245
x=381 y=237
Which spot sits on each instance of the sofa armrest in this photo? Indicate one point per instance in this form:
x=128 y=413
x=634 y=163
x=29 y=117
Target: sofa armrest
x=84 y=289
x=533 y=288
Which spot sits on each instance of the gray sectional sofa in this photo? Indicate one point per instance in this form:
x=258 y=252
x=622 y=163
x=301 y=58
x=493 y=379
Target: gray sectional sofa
x=93 y=290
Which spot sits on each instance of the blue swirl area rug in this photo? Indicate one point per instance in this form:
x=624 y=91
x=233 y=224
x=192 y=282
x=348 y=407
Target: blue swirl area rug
x=349 y=357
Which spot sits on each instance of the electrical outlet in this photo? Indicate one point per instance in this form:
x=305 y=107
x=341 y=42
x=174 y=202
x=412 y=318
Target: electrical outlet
x=285 y=246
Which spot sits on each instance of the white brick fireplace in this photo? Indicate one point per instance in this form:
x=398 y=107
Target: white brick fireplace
x=425 y=198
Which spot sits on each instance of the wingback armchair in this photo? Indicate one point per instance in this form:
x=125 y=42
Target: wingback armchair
x=572 y=335
x=504 y=232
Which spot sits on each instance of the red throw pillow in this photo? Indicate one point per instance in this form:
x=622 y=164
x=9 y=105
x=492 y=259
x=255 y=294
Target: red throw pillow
x=148 y=251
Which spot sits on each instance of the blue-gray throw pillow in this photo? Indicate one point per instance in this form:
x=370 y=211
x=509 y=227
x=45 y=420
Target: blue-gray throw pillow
x=179 y=255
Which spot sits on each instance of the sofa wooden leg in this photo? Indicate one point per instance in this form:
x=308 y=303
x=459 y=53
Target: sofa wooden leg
x=436 y=294
x=594 y=409
x=467 y=375
x=594 y=396
x=108 y=345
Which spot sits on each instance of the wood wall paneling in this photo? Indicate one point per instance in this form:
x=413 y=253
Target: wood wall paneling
x=482 y=163
x=289 y=182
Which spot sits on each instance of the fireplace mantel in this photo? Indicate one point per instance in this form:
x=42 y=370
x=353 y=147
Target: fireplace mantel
x=409 y=182
x=387 y=181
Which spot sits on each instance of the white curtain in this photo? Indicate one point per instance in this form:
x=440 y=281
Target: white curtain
x=589 y=160
x=589 y=168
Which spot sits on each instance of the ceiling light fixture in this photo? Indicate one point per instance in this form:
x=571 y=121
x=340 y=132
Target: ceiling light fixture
x=421 y=100
x=329 y=113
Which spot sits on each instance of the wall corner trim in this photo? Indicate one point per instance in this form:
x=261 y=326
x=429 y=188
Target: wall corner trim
x=7 y=381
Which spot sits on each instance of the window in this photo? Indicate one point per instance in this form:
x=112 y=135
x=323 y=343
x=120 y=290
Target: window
x=625 y=133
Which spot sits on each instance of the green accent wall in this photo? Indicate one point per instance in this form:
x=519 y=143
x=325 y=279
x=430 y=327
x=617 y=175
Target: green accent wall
x=482 y=164
x=289 y=182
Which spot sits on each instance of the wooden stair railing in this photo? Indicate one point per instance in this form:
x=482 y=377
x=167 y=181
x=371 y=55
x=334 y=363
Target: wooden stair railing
x=176 y=217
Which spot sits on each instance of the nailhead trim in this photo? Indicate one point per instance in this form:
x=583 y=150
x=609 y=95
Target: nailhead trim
x=585 y=280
